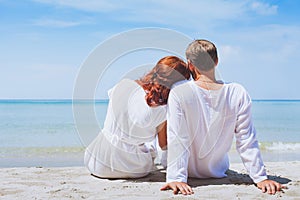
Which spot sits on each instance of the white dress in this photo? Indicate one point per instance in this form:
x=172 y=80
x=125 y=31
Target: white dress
x=201 y=127
x=123 y=149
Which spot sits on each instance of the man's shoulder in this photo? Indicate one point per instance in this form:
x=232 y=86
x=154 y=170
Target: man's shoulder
x=183 y=92
x=236 y=87
x=185 y=86
x=238 y=94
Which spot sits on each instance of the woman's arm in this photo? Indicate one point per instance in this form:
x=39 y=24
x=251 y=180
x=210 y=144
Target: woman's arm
x=162 y=135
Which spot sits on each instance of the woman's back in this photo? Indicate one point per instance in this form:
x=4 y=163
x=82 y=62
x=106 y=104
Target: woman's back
x=129 y=116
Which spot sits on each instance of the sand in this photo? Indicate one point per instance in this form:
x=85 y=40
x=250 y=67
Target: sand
x=77 y=183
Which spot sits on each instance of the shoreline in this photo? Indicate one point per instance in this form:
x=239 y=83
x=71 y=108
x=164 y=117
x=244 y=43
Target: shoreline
x=77 y=183
x=73 y=156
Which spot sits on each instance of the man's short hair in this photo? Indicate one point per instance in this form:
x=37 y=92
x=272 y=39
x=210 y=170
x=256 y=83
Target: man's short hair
x=202 y=54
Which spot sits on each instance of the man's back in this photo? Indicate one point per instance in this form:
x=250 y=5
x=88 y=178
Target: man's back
x=202 y=124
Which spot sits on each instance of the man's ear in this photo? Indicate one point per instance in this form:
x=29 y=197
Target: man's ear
x=192 y=69
x=217 y=61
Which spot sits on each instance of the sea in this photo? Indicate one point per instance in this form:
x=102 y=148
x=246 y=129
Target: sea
x=44 y=132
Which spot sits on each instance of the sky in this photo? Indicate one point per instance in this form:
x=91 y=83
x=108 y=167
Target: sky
x=43 y=43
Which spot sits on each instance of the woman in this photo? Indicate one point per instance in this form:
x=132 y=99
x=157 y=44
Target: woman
x=136 y=114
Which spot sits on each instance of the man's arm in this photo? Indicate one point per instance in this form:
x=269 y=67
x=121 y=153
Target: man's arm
x=178 y=144
x=182 y=187
x=247 y=146
x=269 y=186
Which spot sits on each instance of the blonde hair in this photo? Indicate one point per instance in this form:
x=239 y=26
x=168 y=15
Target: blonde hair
x=202 y=54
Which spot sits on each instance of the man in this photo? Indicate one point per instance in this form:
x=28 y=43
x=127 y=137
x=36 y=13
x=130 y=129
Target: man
x=203 y=117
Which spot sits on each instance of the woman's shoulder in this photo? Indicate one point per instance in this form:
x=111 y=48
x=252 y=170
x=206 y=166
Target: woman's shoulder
x=127 y=81
x=124 y=85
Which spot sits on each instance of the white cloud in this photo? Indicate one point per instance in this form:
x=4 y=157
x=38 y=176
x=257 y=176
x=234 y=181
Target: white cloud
x=183 y=13
x=91 y=5
x=264 y=8
x=263 y=58
x=55 y=23
x=264 y=47
x=227 y=52
x=280 y=40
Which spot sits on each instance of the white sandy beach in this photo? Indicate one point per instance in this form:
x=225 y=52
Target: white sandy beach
x=77 y=183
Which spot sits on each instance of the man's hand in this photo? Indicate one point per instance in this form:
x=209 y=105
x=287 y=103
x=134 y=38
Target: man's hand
x=178 y=187
x=269 y=186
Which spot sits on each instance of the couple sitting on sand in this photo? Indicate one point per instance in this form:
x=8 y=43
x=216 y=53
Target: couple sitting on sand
x=195 y=120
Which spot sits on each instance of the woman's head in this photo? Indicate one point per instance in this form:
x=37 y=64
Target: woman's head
x=158 y=82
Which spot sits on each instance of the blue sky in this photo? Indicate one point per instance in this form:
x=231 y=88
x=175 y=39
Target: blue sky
x=44 y=42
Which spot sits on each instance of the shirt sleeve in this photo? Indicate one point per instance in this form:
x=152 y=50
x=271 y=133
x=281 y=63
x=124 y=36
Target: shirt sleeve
x=178 y=141
x=246 y=142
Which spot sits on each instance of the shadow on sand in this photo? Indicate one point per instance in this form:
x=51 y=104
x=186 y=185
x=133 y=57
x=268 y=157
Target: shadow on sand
x=233 y=177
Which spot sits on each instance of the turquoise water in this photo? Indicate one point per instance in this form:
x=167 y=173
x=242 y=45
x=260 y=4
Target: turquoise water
x=45 y=128
x=37 y=124
x=277 y=120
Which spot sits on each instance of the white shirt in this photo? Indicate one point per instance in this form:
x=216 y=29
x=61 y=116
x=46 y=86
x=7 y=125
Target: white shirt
x=120 y=149
x=129 y=116
x=201 y=127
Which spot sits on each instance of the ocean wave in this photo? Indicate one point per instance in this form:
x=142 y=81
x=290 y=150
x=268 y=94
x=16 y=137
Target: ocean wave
x=279 y=146
x=38 y=151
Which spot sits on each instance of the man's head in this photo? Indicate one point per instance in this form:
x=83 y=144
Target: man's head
x=202 y=54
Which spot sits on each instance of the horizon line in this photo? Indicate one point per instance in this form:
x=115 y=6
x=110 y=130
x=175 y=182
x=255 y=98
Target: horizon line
x=100 y=99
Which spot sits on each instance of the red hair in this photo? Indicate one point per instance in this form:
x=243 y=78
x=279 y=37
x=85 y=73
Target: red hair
x=158 y=82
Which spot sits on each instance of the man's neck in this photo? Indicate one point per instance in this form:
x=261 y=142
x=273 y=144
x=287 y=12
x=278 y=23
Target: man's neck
x=207 y=80
x=206 y=76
